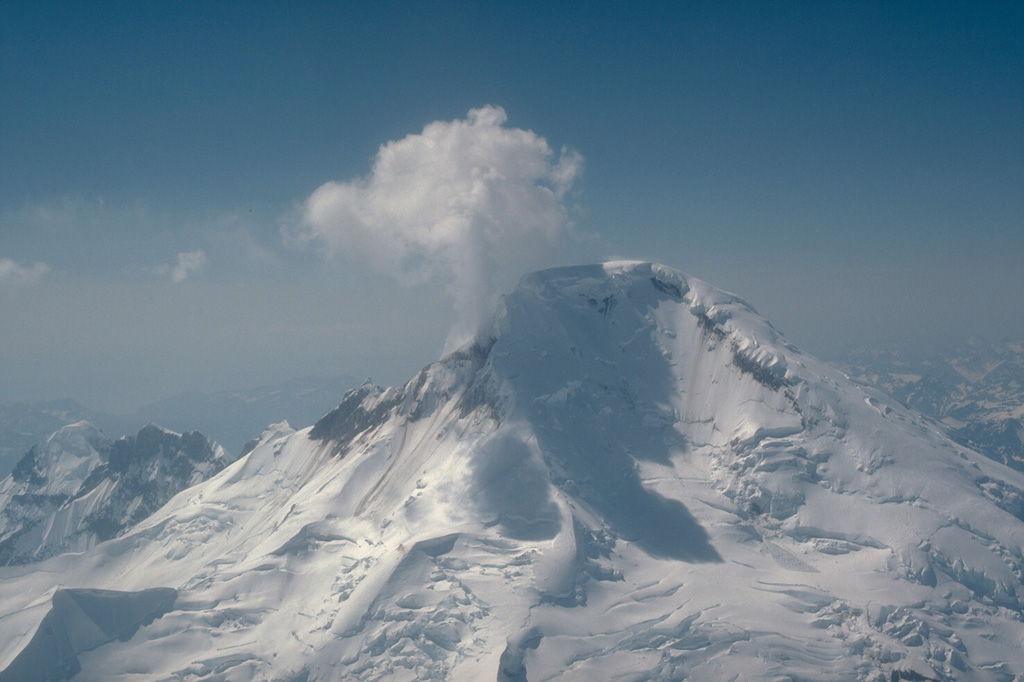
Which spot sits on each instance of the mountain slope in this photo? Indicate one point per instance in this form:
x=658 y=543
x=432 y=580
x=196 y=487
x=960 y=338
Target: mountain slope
x=631 y=476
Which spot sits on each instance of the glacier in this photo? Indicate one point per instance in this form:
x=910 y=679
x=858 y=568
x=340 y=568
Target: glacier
x=628 y=475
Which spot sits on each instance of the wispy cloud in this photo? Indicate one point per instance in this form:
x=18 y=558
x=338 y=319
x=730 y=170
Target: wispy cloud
x=188 y=263
x=468 y=203
x=16 y=274
x=234 y=236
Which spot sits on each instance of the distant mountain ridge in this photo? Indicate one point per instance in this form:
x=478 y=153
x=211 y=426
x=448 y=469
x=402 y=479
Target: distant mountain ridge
x=232 y=418
x=976 y=390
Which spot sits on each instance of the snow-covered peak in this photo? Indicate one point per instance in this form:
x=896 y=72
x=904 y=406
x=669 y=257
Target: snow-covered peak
x=60 y=464
x=651 y=338
x=640 y=285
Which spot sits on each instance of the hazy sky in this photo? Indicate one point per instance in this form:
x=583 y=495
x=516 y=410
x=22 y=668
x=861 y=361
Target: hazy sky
x=199 y=195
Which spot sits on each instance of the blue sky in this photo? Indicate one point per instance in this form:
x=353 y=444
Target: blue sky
x=854 y=170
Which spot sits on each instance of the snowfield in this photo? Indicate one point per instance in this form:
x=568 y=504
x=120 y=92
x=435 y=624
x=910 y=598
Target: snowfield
x=629 y=476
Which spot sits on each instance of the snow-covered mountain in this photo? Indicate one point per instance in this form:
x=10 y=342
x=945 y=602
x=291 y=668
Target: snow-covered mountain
x=78 y=488
x=629 y=476
x=976 y=390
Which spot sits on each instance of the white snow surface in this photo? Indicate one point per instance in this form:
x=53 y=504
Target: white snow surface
x=631 y=477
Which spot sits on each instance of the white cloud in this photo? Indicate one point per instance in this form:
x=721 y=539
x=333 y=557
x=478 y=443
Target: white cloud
x=13 y=273
x=469 y=203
